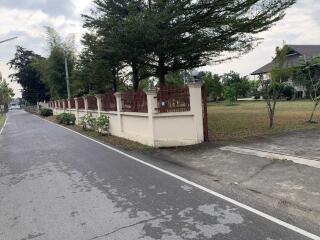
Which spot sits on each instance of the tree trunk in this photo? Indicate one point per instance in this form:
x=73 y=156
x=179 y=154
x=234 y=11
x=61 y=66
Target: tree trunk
x=271 y=117
x=135 y=74
x=114 y=80
x=271 y=111
x=161 y=71
x=313 y=111
x=162 y=79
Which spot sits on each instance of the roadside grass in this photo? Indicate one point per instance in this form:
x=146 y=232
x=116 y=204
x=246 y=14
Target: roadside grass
x=107 y=138
x=249 y=119
x=2 y=120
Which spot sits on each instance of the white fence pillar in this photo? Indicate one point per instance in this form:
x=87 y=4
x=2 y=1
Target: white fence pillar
x=196 y=108
x=85 y=100
x=69 y=106
x=119 y=110
x=99 y=104
x=57 y=107
x=152 y=104
x=76 y=105
x=63 y=105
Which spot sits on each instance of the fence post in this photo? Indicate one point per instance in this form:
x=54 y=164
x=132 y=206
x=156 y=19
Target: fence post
x=99 y=104
x=54 y=107
x=85 y=100
x=57 y=107
x=76 y=105
x=69 y=105
x=63 y=105
x=119 y=110
x=152 y=103
x=196 y=109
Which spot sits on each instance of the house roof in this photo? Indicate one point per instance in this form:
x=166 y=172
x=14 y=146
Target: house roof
x=307 y=50
x=300 y=50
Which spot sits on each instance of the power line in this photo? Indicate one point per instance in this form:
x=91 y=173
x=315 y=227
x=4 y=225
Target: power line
x=9 y=39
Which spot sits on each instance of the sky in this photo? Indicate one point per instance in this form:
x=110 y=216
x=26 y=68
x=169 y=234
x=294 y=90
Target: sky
x=27 y=18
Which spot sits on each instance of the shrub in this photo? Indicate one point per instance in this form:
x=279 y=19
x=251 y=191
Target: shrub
x=288 y=92
x=46 y=112
x=230 y=94
x=102 y=124
x=88 y=121
x=66 y=118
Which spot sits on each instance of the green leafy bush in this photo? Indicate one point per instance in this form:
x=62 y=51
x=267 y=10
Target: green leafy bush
x=230 y=94
x=102 y=124
x=46 y=112
x=66 y=118
x=99 y=124
x=288 y=92
x=88 y=121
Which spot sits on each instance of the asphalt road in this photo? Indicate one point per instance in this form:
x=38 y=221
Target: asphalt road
x=55 y=184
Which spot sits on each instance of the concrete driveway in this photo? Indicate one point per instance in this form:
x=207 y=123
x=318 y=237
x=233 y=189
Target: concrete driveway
x=55 y=184
x=281 y=172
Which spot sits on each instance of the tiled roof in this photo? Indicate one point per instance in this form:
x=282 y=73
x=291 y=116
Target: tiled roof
x=302 y=50
x=307 y=50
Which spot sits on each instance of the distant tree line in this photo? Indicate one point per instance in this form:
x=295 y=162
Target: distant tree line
x=6 y=95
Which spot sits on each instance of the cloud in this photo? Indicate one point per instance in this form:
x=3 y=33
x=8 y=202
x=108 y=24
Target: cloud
x=51 y=8
x=301 y=25
x=26 y=19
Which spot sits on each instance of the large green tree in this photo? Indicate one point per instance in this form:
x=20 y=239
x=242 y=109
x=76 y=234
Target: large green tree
x=156 y=37
x=122 y=28
x=52 y=68
x=213 y=83
x=98 y=68
x=188 y=34
x=33 y=89
x=6 y=95
x=308 y=74
x=241 y=85
x=272 y=89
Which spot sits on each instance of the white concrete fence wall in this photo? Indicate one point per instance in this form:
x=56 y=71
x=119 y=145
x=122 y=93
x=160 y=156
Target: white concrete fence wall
x=151 y=128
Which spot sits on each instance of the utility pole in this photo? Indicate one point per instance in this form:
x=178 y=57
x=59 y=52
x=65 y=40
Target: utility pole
x=67 y=73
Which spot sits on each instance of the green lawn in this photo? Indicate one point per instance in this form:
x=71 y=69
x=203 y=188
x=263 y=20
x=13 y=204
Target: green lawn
x=249 y=119
x=2 y=119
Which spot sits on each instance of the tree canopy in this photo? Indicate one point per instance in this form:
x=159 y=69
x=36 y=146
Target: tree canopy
x=241 y=85
x=308 y=74
x=33 y=89
x=6 y=94
x=272 y=89
x=52 y=69
x=154 y=40
x=156 y=37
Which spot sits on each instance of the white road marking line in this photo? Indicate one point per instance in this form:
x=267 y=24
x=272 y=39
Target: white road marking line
x=216 y=194
x=4 y=124
x=270 y=155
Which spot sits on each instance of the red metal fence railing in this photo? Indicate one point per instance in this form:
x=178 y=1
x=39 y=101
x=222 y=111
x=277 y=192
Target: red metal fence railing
x=173 y=99
x=92 y=103
x=108 y=102
x=66 y=104
x=80 y=103
x=72 y=103
x=61 y=104
x=134 y=101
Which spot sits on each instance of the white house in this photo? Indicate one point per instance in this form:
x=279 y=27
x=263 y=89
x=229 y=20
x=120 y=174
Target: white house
x=296 y=54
